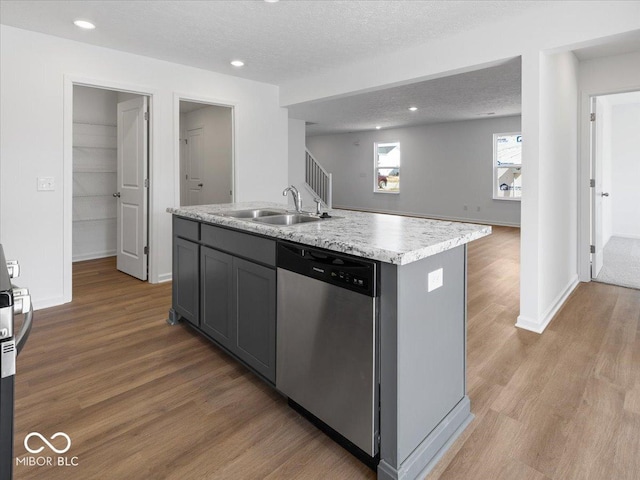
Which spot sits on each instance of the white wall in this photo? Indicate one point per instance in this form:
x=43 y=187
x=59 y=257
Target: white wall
x=549 y=244
x=599 y=76
x=216 y=122
x=444 y=167
x=296 y=155
x=625 y=191
x=36 y=115
x=95 y=105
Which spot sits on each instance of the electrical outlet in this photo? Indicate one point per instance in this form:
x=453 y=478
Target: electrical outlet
x=46 y=184
x=465 y=207
x=477 y=209
x=434 y=280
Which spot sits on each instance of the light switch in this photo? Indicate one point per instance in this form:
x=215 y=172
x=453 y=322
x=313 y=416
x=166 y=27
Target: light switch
x=46 y=184
x=434 y=280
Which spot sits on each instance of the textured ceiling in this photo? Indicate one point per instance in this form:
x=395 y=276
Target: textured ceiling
x=278 y=41
x=295 y=38
x=466 y=96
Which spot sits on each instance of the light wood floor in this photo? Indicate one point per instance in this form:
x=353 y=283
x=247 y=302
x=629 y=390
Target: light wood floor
x=143 y=400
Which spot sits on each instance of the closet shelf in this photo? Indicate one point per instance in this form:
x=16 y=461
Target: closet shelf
x=95 y=195
x=85 y=220
x=95 y=147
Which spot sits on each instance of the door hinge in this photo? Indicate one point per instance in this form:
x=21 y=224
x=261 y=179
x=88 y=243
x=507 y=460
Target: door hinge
x=146 y=183
x=592 y=117
x=146 y=115
x=592 y=182
x=146 y=250
x=592 y=249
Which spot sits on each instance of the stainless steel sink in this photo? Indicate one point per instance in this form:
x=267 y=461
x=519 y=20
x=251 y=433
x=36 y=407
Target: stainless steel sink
x=288 y=219
x=255 y=213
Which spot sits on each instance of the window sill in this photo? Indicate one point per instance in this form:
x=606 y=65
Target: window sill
x=388 y=193
x=508 y=199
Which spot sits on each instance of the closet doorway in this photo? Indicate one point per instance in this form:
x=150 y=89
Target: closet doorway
x=206 y=153
x=110 y=178
x=615 y=194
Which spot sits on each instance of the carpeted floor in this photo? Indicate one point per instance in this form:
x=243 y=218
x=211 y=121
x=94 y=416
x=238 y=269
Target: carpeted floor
x=621 y=263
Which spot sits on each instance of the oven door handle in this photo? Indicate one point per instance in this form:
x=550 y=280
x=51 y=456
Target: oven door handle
x=25 y=330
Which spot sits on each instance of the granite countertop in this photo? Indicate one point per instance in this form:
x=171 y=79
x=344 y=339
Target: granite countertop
x=388 y=238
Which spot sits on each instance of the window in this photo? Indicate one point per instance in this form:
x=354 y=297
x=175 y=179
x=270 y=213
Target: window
x=507 y=166
x=386 y=169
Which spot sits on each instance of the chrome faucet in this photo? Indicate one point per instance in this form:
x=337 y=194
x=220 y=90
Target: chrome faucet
x=297 y=199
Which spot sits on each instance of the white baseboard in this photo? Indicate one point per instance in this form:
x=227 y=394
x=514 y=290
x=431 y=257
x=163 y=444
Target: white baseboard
x=531 y=324
x=430 y=216
x=93 y=256
x=164 y=277
x=39 y=304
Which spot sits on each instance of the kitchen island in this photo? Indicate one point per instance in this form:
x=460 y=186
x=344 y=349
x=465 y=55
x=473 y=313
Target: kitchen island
x=229 y=275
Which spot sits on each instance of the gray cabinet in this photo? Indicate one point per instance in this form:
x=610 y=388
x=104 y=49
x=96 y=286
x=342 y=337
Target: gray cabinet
x=216 y=281
x=186 y=271
x=231 y=277
x=186 y=284
x=255 y=316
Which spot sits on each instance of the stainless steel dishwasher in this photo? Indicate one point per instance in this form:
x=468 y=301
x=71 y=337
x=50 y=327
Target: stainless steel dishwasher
x=327 y=343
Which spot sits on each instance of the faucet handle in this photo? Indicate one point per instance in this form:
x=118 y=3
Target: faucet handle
x=318 y=203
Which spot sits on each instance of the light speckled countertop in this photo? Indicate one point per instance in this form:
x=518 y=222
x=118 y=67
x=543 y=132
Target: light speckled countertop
x=388 y=238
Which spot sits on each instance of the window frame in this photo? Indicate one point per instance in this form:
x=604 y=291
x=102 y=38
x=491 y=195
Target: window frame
x=376 y=187
x=495 y=166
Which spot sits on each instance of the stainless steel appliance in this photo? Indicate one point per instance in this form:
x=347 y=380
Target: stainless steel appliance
x=13 y=301
x=327 y=342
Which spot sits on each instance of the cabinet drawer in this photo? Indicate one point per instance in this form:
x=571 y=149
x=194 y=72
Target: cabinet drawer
x=241 y=244
x=186 y=228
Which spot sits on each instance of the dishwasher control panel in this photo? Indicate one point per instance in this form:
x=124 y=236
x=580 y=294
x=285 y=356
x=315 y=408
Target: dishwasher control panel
x=358 y=275
x=348 y=278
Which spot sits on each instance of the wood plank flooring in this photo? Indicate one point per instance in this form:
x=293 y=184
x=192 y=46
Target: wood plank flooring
x=143 y=400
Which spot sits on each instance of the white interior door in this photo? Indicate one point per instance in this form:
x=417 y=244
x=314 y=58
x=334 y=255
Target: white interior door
x=597 y=257
x=132 y=190
x=195 y=166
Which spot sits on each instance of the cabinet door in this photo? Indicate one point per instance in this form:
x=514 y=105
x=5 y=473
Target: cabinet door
x=217 y=295
x=186 y=279
x=255 y=316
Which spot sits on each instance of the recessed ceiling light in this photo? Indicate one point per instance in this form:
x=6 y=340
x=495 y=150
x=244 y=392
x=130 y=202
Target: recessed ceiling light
x=84 y=24
x=272 y=1
x=378 y=127
x=237 y=63
x=413 y=109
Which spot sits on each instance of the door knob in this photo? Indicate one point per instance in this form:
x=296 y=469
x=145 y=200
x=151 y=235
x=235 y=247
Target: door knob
x=117 y=194
x=201 y=184
x=605 y=194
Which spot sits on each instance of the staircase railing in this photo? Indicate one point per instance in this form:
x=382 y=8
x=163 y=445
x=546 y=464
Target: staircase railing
x=318 y=179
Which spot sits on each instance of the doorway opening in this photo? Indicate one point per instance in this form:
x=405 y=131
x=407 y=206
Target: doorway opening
x=615 y=196
x=110 y=195
x=206 y=153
